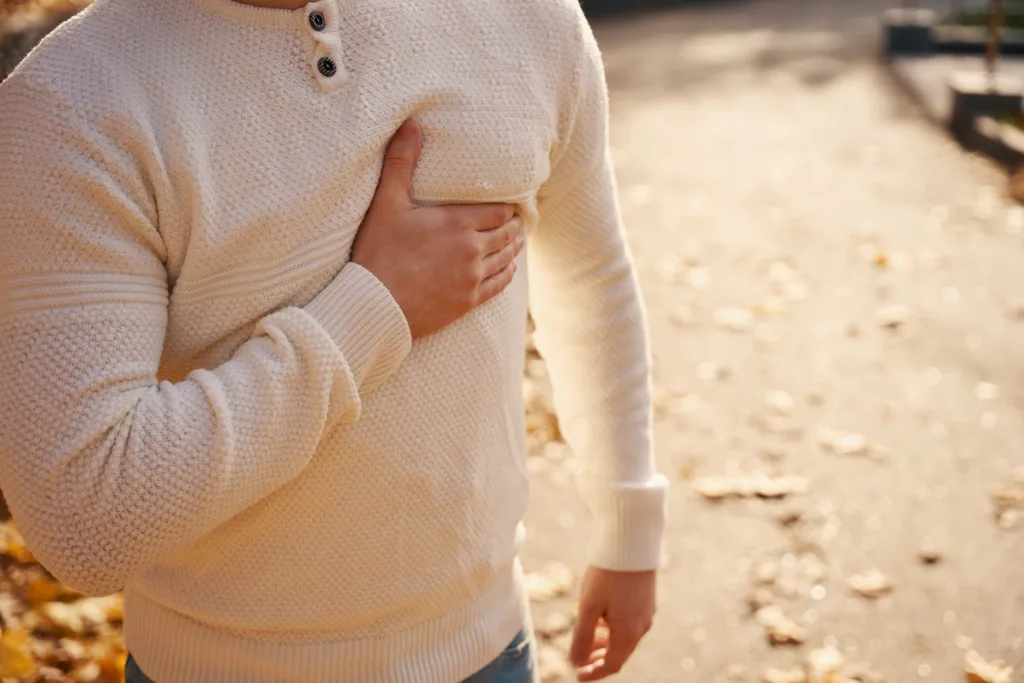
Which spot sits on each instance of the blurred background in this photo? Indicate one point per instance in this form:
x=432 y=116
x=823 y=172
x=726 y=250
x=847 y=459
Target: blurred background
x=819 y=195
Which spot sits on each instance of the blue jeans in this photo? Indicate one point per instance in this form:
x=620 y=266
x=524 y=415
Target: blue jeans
x=514 y=665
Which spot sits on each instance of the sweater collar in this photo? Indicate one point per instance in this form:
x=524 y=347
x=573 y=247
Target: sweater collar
x=258 y=16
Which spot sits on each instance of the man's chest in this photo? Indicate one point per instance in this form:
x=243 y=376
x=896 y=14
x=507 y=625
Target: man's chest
x=266 y=204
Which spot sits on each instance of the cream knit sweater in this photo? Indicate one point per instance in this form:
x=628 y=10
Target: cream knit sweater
x=205 y=404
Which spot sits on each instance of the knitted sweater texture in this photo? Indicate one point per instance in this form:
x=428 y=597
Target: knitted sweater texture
x=205 y=404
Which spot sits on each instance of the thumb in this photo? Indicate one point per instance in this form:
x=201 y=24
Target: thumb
x=400 y=161
x=583 y=634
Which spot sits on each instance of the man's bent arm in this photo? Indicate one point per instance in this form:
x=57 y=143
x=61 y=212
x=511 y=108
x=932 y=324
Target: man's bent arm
x=105 y=469
x=591 y=329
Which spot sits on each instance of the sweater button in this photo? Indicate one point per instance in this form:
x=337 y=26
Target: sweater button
x=317 y=21
x=327 y=67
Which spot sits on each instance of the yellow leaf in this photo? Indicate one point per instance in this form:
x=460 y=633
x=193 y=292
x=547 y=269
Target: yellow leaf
x=112 y=667
x=19 y=552
x=40 y=589
x=15 y=660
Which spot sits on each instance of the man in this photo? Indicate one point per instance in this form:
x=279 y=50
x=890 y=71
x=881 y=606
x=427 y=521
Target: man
x=268 y=381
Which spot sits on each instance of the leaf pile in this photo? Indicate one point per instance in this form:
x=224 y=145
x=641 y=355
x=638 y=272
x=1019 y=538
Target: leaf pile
x=49 y=632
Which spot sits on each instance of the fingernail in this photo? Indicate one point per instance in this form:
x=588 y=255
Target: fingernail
x=519 y=242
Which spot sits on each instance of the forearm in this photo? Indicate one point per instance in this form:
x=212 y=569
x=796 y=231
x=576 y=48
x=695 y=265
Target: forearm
x=107 y=471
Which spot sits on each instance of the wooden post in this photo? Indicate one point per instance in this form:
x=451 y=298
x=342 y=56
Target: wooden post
x=995 y=29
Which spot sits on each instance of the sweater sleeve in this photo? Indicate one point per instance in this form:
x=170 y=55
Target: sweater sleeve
x=591 y=329
x=106 y=469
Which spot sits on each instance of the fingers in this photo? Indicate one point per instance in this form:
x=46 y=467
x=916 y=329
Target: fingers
x=499 y=260
x=496 y=284
x=498 y=238
x=583 y=634
x=400 y=163
x=621 y=644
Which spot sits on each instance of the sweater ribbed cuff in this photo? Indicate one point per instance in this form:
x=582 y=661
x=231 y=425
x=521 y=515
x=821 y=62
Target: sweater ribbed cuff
x=367 y=324
x=629 y=520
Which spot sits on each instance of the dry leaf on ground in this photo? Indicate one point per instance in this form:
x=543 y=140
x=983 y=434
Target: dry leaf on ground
x=871 y=583
x=927 y=552
x=15 y=658
x=978 y=670
x=844 y=443
x=750 y=486
x=780 y=629
x=893 y=317
x=794 y=675
x=1009 y=504
x=779 y=401
x=824 y=664
x=735 y=319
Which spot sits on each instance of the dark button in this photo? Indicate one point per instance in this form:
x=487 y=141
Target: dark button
x=327 y=66
x=317 y=20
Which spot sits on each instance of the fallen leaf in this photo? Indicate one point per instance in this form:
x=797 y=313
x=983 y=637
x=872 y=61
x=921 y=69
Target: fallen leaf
x=555 y=580
x=780 y=629
x=927 y=552
x=823 y=664
x=843 y=443
x=893 y=317
x=750 y=486
x=1009 y=496
x=49 y=674
x=15 y=659
x=790 y=517
x=980 y=671
x=779 y=401
x=735 y=319
x=88 y=672
x=12 y=544
x=1009 y=520
x=794 y=675
x=870 y=584
x=83 y=617
x=698 y=277
x=112 y=666
x=41 y=589
x=794 y=291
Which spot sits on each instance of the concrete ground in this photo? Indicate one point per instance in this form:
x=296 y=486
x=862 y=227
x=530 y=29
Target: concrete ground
x=815 y=256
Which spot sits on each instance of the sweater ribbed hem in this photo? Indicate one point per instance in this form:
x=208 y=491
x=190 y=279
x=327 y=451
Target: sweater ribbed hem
x=629 y=521
x=362 y=317
x=172 y=648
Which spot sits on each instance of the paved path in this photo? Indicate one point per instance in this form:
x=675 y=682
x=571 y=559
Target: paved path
x=768 y=165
